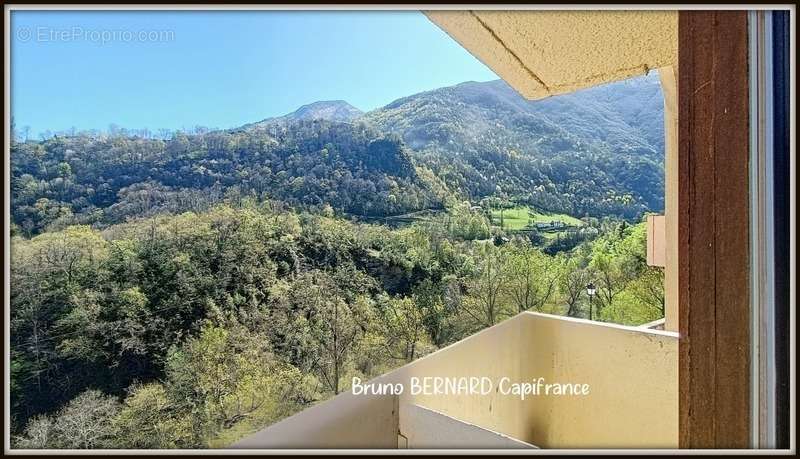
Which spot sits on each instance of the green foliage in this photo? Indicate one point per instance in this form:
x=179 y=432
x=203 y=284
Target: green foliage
x=484 y=305
x=324 y=321
x=405 y=332
x=596 y=152
x=522 y=217
x=532 y=277
x=464 y=223
x=150 y=418
x=183 y=293
x=224 y=376
x=308 y=164
x=629 y=292
x=467 y=142
x=209 y=326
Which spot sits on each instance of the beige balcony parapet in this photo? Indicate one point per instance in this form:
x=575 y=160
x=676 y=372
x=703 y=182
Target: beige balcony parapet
x=656 y=241
x=633 y=401
x=420 y=427
x=657 y=324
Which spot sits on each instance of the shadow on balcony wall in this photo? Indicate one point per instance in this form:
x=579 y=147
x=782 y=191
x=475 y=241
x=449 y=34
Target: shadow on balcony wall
x=632 y=373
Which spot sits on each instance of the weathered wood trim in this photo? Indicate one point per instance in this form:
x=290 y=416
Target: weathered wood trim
x=713 y=234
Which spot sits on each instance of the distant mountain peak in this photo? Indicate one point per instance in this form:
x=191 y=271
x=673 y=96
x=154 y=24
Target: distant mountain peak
x=331 y=110
x=328 y=110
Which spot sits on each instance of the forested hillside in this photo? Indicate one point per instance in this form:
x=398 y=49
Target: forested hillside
x=184 y=290
x=584 y=154
x=192 y=330
x=594 y=152
x=309 y=164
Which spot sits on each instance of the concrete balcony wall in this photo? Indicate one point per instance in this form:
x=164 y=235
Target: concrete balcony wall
x=500 y=351
x=422 y=428
x=633 y=399
x=633 y=374
x=342 y=422
x=634 y=386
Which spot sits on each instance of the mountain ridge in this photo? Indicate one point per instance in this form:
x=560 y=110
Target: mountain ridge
x=626 y=115
x=591 y=153
x=329 y=110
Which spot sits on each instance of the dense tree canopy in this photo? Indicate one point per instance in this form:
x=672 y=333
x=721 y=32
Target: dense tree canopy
x=426 y=151
x=186 y=290
x=238 y=316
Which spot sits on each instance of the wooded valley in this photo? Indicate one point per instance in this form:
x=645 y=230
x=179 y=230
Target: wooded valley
x=184 y=289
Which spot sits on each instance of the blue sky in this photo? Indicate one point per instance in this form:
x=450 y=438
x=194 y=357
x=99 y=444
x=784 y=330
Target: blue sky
x=219 y=69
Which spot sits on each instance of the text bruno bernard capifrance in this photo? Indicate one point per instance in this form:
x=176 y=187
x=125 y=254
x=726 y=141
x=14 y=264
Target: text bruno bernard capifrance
x=470 y=385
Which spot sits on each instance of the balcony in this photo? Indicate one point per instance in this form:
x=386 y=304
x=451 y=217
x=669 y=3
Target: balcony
x=632 y=373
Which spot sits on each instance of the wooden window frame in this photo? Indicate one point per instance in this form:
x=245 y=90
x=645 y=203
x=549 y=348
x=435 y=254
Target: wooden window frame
x=713 y=234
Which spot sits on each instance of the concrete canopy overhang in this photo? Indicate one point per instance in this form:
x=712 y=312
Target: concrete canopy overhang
x=544 y=53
